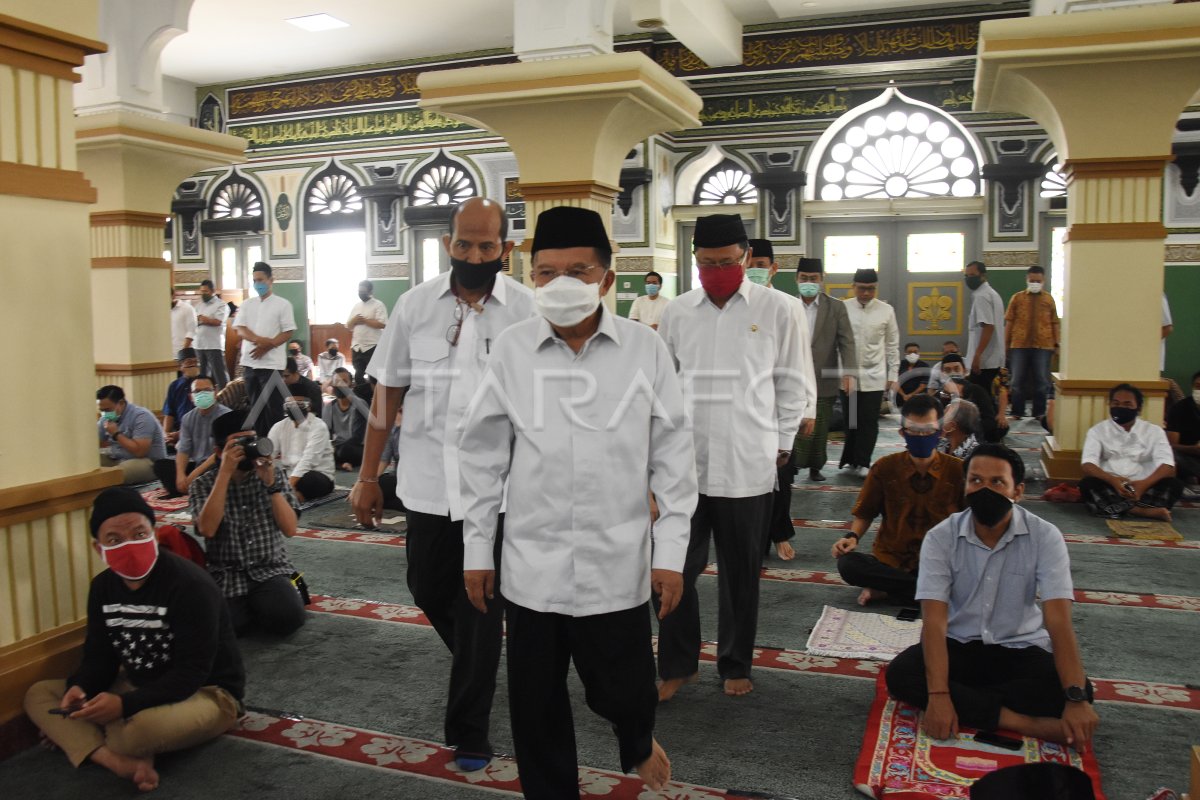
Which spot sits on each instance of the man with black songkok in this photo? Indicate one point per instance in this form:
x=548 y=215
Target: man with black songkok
x=748 y=367
x=585 y=413
x=431 y=359
x=877 y=341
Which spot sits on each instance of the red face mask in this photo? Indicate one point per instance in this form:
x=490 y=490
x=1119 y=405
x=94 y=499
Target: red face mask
x=132 y=560
x=722 y=282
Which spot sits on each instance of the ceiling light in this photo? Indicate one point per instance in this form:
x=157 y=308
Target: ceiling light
x=318 y=22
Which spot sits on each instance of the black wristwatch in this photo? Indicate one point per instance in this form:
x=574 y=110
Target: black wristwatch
x=1080 y=694
x=274 y=488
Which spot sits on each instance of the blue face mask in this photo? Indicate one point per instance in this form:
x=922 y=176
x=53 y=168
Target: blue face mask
x=261 y=288
x=759 y=275
x=808 y=289
x=109 y=416
x=920 y=446
x=652 y=289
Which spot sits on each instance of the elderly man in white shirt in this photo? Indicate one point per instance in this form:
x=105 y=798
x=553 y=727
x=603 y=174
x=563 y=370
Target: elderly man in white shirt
x=582 y=412
x=211 y=313
x=877 y=341
x=183 y=324
x=747 y=367
x=303 y=448
x=1128 y=464
x=431 y=359
x=367 y=321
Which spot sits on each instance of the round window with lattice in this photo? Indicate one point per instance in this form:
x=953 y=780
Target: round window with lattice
x=894 y=147
x=334 y=194
x=726 y=184
x=234 y=201
x=442 y=185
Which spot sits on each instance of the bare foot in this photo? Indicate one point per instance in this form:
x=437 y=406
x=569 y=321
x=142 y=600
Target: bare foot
x=867 y=596
x=655 y=770
x=669 y=686
x=736 y=687
x=139 y=770
x=1048 y=728
x=346 y=467
x=784 y=551
x=1152 y=512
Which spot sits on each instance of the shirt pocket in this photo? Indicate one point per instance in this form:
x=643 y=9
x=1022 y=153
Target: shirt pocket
x=429 y=356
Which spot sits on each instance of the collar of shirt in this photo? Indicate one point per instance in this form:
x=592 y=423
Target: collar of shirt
x=1017 y=526
x=499 y=291
x=606 y=327
x=816 y=301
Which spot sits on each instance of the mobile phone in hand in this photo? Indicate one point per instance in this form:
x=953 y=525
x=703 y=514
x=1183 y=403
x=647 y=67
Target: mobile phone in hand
x=997 y=740
x=65 y=712
x=909 y=614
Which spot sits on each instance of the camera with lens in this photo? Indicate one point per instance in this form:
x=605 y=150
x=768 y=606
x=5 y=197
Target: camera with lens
x=254 y=447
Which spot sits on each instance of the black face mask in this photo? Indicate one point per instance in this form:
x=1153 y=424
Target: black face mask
x=959 y=379
x=332 y=351
x=1122 y=415
x=988 y=506
x=364 y=296
x=474 y=277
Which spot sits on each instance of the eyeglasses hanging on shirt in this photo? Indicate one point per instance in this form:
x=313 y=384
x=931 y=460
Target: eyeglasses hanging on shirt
x=460 y=313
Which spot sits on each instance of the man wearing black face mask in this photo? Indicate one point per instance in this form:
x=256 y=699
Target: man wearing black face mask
x=367 y=321
x=914 y=491
x=330 y=361
x=990 y=657
x=245 y=508
x=1128 y=465
x=431 y=358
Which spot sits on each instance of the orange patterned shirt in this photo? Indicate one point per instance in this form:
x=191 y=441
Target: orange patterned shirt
x=1031 y=321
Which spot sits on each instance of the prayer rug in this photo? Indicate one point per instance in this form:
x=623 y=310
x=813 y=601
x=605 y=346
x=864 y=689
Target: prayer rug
x=858 y=634
x=433 y=761
x=899 y=761
x=1150 y=530
x=158 y=500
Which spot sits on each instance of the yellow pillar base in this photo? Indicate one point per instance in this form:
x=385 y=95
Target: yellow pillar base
x=1080 y=404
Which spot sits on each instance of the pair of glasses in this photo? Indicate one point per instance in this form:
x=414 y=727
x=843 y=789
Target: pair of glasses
x=545 y=275
x=454 y=330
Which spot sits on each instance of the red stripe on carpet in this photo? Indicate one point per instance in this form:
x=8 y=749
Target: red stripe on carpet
x=360 y=537
x=1071 y=538
x=1160 y=695
x=434 y=761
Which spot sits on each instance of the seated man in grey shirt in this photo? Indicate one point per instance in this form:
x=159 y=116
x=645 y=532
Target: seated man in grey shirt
x=130 y=436
x=989 y=656
x=194 y=452
x=339 y=416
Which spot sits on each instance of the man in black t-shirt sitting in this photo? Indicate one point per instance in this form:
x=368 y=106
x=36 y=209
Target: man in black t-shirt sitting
x=161 y=669
x=1183 y=431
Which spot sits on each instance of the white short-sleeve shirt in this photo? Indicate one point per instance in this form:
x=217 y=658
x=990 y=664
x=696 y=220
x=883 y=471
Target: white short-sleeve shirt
x=267 y=316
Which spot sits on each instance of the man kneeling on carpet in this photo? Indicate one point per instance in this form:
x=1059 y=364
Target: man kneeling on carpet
x=245 y=508
x=989 y=656
x=1128 y=465
x=914 y=491
x=161 y=669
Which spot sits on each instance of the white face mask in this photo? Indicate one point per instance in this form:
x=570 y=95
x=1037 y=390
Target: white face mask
x=565 y=302
x=1034 y=288
x=1196 y=396
x=912 y=358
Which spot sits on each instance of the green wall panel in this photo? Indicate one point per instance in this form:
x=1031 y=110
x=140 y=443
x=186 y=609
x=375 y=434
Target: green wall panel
x=1182 y=283
x=295 y=293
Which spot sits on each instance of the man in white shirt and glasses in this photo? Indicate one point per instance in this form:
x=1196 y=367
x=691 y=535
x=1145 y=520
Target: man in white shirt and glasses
x=582 y=412
x=431 y=359
x=746 y=365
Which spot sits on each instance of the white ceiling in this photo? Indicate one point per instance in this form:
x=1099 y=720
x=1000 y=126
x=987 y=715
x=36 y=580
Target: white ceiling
x=230 y=40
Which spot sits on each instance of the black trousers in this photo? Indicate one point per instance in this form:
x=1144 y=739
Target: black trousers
x=434 y=548
x=983 y=679
x=867 y=571
x=984 y=379
x=313 y=485
x=348 y=453
x=212 y=364
x=862 y=428
x=273 y=606
x=615 y=662
x=1187 y=466
x=360 y=361
x=257 y=382
x=738 y=527
x=164 y=470
x=1103 y=500
x=392 y=501
x=779 y=528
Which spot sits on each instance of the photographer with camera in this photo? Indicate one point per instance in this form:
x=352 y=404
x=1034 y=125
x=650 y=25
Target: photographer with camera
x=245 y=508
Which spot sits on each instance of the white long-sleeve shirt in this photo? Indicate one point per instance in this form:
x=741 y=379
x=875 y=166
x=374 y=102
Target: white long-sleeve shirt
x=744 y=368
x=877 y=340
x=183 y=326
x=1132 y=454
x=303 y=448
x=806 y=321
x=441 y=379
x=581 y=439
